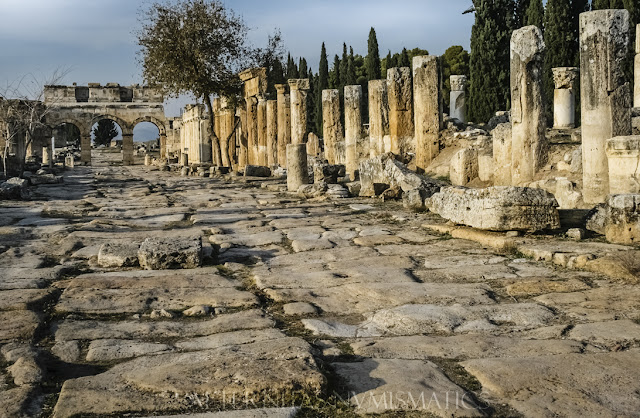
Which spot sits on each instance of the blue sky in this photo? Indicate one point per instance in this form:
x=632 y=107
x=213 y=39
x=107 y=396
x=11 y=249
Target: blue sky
x=95 y=40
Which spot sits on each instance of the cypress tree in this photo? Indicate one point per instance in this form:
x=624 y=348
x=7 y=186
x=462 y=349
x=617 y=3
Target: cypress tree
x=323 y=84
x=388 y=63
x=374 y=70
x=490 y=90
x=404 y=59
x=351 y=69
x=311 y=101
x=344 y=63
x=561 y=42
x=302 y=68
x=520 y=18
x=535 y=14
x=334 y=75
x=292 y=68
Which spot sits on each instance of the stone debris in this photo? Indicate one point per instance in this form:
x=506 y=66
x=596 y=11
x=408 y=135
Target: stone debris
x=617 y=219
x=498 y=208
x=161 y=254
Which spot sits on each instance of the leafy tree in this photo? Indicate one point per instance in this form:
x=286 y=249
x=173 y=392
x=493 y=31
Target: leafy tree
x=455 y=61
x=197 y=47
x=374 y=70
x=323 y=84
x=271 y=59
x=535 y=14
x=490 y=90
x=104 y=131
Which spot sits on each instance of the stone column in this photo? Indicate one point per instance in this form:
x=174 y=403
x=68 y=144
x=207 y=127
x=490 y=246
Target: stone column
x=163 y=146
x=605 y=95
x=297 y=171
x=85 y=149
x=284 y=123
x=46 y=156
x=400 y=108
x=184 y=159
x=427 y=96
x=378 y=116
x=331 y=124
x=564 y=102
x=272 y=133
x=636 y=84
x=243 y=154
x=528 y=131
x=299 y=89
x=262 y=131
x=458 y=97
x=127 y=149
x=252 y=130
x=352 y=127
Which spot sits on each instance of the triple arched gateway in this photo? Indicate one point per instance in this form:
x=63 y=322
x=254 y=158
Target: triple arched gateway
x=83 y=106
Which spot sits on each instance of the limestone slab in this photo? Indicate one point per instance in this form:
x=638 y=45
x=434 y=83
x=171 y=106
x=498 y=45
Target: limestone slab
x=112 y=349
x=17 y=325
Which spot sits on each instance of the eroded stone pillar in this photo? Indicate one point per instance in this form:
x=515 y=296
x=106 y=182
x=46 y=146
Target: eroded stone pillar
x=272 y=133
x=502 y=155
x=458 y=97
x=163 y=146
x=564 y=101
x=297 y=171
x=428 y=109
x=331 y=124
x=378 y=116
x=243 y=152
x=85 y=149
x=262 y=131
x=636 y=84
x=284 y=123
x=400 y=108
x=299 y=89
x=352 y=127
x=46 y=156
x=252 y=130
x=127 y=149
x=528 y=131
x=605 y=95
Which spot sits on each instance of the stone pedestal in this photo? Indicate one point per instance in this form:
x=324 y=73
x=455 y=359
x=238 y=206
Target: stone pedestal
x=331 y=124
x=184 y=159
x=127 y=149
x=458 y=97
x=85 y=149
x=297 y=171
x=352 y=127
x=299 y=89
x=147 y=159
x=284 y=123
x=378 y=116
x=564 y=102
x=272 y=133
x=528 y=132
x=400 y=108
x=623 y=153
x=46 y=156
x=69 y=161
x=605 y=94
x=427 y=97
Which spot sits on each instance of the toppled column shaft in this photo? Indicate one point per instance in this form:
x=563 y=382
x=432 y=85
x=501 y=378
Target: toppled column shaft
x=604 y=92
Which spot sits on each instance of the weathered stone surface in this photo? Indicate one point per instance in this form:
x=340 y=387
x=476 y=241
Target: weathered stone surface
x=497 y=208
x=399 y=91
x=457 y=97
x=564 y=103
x=502 y=155
x=45 y=179
x=257 y=171
x=609 y=333
x=380 y=385
x=468 y=346
x=298 y=172
x=109 y=350
x=229 y=339
x=595 y=384
x=160 y=254
x=378 y=116
x=618 y=219
x=25 y=371
x=21 y=298
x=299 y=89
x=118 y=254
x=17 y=325
x=247 y=413
x=605 y=97
x=352 y=127
x=528 y=119
x=623 y=153
x=271 y=368
x=599 y=304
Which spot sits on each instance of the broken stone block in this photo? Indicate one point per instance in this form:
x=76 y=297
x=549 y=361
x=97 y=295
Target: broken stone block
x=14 y=188
x=618 y=219
x=327 y=173
x=414 y=199
x=257 y=171
x=45 y=179
x=399 y=175
x=118 y=254
x=499 y=208
x=502 y=154
x=372 y=177
x=170 y=253
x=464 y=167
x=25 y=371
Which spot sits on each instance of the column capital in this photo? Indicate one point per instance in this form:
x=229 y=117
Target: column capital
x=458 y=82
x=565 y=77
x=281 y=88
x=299 y=84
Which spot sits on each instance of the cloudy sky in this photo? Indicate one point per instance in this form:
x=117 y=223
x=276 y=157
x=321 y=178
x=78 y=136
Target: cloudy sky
x=95 y=39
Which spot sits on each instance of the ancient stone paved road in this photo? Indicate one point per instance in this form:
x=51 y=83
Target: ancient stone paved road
x=340 y=308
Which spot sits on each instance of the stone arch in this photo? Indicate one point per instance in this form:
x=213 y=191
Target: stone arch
x=162 y=129
x=127 y=129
